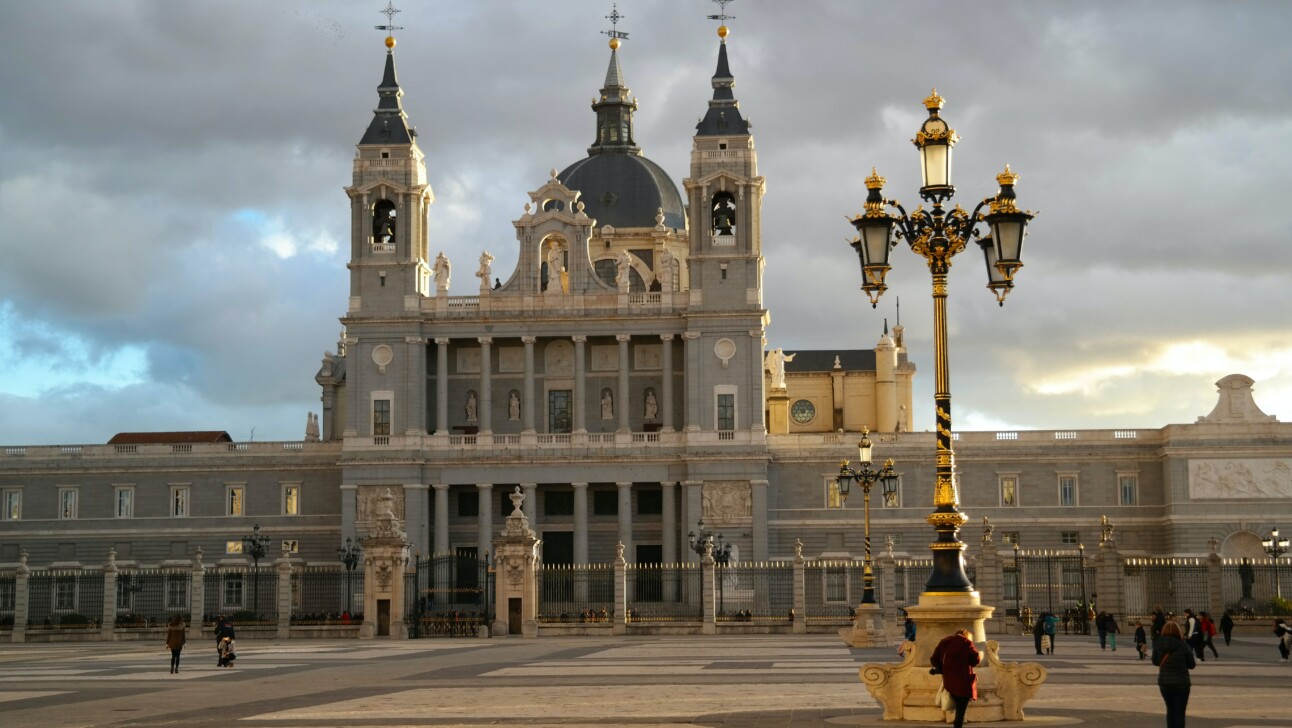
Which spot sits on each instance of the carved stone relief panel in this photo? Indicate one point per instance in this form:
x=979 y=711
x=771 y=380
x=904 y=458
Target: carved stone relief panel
x=605 y=358
x=648 y=357
x=469 y=361
x=726 y=500
x=1240 y=478
x=511 y=359
x=558 y=359
x=368 y=500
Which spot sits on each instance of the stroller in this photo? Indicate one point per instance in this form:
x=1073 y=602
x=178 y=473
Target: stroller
x=226 y=652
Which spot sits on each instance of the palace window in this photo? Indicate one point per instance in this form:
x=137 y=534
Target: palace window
x=1128 y=489
x=1010 y=538
x=65 y=594
x=558 y=503
x=1070 y=538
x=1067 y=490
x=381 y=417
x=234 y=500
x=124 y=497
x=179 y=497
x=650 y=501
x=292 y=499
x=232 y=596
x=67 y=503
x=605 y=503
x=1009 y=490
x=12 y=504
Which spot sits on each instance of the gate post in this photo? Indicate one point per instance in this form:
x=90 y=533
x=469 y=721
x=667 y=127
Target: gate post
x=196 y=597
x=284 y=568
x=800 y=590
x=1110 y=580
x=107 y=631
x=990 y=582
x=708 y=591
x=21 y=599
x=888 y=590
x=619 y=623
x=1215 y=596
x=515 y=551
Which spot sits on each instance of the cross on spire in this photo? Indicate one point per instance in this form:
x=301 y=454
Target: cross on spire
x=722 y=16
x=389 y=12
x=614 y=17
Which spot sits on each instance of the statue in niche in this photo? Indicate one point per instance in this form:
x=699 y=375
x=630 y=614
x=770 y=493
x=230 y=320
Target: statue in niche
x=471 y=406
x=623 y=263
x=485 y=271
x=555 y=262
x=607 y=405
x=441 y=271
x=665 y=274
x=652 y=406
x=776 y=365
x=513 y=406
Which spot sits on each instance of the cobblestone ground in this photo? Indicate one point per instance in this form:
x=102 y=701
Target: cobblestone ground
x=640 y=682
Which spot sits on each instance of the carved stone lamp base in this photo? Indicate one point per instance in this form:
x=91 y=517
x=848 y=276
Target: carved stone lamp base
x=867 y=628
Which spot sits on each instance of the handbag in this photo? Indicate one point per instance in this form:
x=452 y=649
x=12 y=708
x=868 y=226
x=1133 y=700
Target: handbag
x=943 y=699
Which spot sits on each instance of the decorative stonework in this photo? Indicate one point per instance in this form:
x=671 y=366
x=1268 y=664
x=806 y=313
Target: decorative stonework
x=1240 y=479
x=648 y=357
x=468 y=361
x=368 y=505
x=604 y=358
x=559 y=359
x=726 y=501
x=382 y=355
x=511 y=359
x=1236 y=403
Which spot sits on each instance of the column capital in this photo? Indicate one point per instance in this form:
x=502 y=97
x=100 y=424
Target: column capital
x=666 y=337
x=442 y=340
x=667 y=484
x=440 y=486
x=528 y=486
x=579 y=339
x=578 y=485
x=347 y=486
x=623 y=485
x=485 y=340
x=528 y=339
x=484 y=486
x=690 y=335
x=692 y=483
x=756 y=334
x=623 y=338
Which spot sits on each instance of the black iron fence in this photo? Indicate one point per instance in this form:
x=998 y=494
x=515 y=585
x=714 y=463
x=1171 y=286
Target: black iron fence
x=8 y=600
x=326 y=595
x=64 y=599
x=664 y=592
x=755 y=592
x=575 y=592
x=1058 y=582
x=449 y=595
x=1171 y=584
x=1257 y=588
x=245 y=596
x=833 y=588
x=150 y=597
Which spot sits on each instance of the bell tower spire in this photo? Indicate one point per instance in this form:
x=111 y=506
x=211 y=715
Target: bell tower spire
x=613 y=107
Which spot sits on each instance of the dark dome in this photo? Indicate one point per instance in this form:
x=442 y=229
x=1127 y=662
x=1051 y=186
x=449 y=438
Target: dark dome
x=624 y=191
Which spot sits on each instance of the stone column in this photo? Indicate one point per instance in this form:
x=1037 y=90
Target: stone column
x=284 y=567
x=416 y=509
x=515 y=552
x=666 y=392
x=530 y=504
x=1215 y=598
x=758 y=509
x=442 y=386
x=527 y=394
x=349 y=511
x=626 y=519
x=485 y=415
x=694 y=512
x=1110 y=577
x=669 y=525
x=708 y=591
x=886 y=568
x=580 y=522
x=799 y=625
x=110 y=572
x=990 y=583
x=196 y=596
x=441 y=519
x=619 y=620
x=692 y=379
x=623 y=407
x=484 y=537
x=385 y=559
x=580 y=386
x=415 y=403
x=21 y=599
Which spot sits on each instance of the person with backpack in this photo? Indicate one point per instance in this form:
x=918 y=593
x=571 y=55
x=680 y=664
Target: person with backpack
x=1284 y=633
x=1051 y=627
x=1193 y=633
x=1208 y=634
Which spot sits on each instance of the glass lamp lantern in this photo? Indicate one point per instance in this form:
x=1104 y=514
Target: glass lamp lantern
x=875 y=239
x=935 y=140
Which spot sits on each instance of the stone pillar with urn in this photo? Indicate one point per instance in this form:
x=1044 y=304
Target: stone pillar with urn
x=385 y=558
x=515 y=559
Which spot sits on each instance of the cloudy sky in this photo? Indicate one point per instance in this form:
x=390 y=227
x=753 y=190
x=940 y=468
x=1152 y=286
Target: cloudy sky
x=172 y=220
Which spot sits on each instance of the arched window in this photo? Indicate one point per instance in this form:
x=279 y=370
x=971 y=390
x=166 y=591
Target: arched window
x=724 y=214
x=383 y=223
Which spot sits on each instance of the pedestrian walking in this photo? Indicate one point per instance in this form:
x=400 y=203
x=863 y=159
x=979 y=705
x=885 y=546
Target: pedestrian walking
x=1174 y=659
x=1284 y=633
x=1208 y=633
x=175 y=638
x=1101 y=626
x=1051 y=627
x=1141 y=640
x=1227 y=625
x=954 y=659
x=1193 y=633
x=1159 y=621
x=1038 y=631
x=1110 y=623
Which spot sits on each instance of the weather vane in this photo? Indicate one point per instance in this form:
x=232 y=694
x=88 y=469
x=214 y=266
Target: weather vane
x=614 y=17
x=389 y=12
x=722 y=16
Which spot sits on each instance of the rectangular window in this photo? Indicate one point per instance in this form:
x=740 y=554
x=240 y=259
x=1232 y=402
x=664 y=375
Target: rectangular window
x=1070 y=537
x=12 y=504
x=726 y=412
x=836 y=584
x=558 y=503
x=605 y=503
x=176 y=593
x=650 y=501
x=559 y=414
x=125 y=499
x=67 y=503
x=125 y=593
x=1067 y=490
x=65 y=594
x=381 y=417
x=468 y=504
x=1011 y=586
x=1009 y=490
x=232 y=597
x=234 y=503
x=1128 y=490
x=1010 y=538
x=833 y=499
x=233 y=547
x=179 y=501
x=292 y=499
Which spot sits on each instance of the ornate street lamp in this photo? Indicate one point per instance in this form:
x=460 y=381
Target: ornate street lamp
x=703 y=542
x=1275 y=547
x=865 y=478
x=349 y=555
x=1018 y=589
x=256 y=546
x=938 y=235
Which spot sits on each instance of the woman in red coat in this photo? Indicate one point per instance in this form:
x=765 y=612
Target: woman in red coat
x=954 y=658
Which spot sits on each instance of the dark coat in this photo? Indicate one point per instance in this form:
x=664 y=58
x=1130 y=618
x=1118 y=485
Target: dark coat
x=955 y=657
x=175 y=636
x=1178 y=657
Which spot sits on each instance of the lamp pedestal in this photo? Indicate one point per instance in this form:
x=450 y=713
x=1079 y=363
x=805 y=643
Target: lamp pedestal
x=778 y=411
x=867 y=628
x=906 y=690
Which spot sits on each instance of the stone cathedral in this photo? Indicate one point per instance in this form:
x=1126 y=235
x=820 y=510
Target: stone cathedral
x=621 y=378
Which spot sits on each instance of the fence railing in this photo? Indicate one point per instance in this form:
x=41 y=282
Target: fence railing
x=664 y=592
x=64 y=599
x=244 y=596
x=1168 y=583
x=326 y=595
x=755 y=592
x=1257 y=588
x=575 y=592
x=150 y=597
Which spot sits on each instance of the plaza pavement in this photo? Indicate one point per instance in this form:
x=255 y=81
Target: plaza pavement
x=798 y=680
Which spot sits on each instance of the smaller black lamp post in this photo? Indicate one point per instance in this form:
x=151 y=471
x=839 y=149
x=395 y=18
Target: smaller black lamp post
x=256 y=546
x=865 y=478
x=349 y=555
x=1275 y=547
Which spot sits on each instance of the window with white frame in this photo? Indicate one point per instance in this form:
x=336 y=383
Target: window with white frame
x=291 y=499
x=833 y=499
x=179 y=499
x=382 y=412
x=123 y=497
x=176 y=593
x=1070 y=538
x=12 y=504
x=68 y=501
x=231 y=598
x=724 y=415
x=125 y=593
x=233 y=547
x=1067 y=489
x=1009 y=537
x=1128 y=489
x=234 y=500
x=65 y=594
x=1009 y=490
